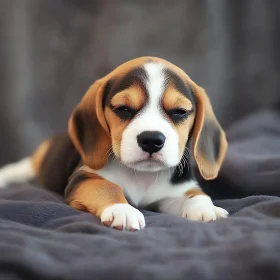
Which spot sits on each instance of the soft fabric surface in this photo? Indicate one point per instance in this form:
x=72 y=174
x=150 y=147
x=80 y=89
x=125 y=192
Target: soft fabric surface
x=42 y=237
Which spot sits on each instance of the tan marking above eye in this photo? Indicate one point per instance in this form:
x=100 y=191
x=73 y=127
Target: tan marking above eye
x=173 y=99
x=132 y=97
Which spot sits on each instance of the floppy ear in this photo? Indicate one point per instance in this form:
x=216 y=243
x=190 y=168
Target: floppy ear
x=88 y=129
x=209 y=139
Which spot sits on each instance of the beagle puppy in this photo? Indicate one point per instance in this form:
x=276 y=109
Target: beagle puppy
x=128 y=146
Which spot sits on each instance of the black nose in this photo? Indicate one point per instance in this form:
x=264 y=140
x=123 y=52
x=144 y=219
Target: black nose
x=151 y=141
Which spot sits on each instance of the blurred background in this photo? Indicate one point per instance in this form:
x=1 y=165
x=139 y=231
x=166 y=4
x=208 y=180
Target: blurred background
x=52 y=50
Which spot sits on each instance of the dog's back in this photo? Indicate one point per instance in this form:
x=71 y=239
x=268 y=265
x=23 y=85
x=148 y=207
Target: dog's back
x=51 y=164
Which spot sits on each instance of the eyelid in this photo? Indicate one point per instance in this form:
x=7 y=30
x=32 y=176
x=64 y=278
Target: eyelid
x=179 y=108
x=114 y=107
x=183 y=109
x=130 y=110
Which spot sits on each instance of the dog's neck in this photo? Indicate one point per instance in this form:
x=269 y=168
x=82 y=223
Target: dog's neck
x=142 y=188
x=142 y=178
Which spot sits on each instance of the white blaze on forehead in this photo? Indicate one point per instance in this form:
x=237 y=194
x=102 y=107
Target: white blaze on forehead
x=155 y=82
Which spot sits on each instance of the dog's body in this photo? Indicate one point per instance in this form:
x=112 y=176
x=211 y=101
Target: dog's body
x=128 y=144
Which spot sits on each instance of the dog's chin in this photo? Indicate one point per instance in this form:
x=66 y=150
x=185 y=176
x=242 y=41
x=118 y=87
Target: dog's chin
x=147 y=165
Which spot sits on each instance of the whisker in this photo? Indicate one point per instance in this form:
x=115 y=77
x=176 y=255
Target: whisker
x=156 y=177
x=180 y=169
x=169 y=173
x=114 y=158
x=108 y=151
x=188 y=151
x=135 y=174
x=186 y=162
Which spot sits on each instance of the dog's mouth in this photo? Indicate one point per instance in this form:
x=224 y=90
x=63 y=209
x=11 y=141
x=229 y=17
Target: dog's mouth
x=148 y=161
x=147 y=164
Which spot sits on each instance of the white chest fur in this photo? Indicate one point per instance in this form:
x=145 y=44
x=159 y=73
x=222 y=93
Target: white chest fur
x=143 y=188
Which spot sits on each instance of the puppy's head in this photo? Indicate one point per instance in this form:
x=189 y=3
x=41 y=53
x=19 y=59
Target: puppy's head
x=145 y=112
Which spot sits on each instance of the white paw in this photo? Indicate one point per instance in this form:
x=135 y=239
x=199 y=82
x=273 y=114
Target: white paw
x=123 y=217
x=201 y=208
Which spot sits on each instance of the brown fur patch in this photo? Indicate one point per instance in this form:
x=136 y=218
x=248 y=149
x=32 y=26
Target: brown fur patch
x=117 y=126
x=132 y=97
x=94 y=195
x=39 y=154
x=194 y=192
x=173 y=99
x=183 y=129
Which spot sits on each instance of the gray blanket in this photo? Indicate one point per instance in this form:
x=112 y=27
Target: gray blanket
x=42 y=238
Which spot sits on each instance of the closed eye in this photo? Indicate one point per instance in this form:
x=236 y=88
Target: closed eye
x=124 y=112
x=178 y=114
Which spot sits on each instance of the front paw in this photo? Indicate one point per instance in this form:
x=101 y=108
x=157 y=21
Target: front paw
x=201 y=208
x=123 y=217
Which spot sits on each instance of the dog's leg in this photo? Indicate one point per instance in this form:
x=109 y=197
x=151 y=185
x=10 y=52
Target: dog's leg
x=25 y=169
x=89 y=192
x=194 y=205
